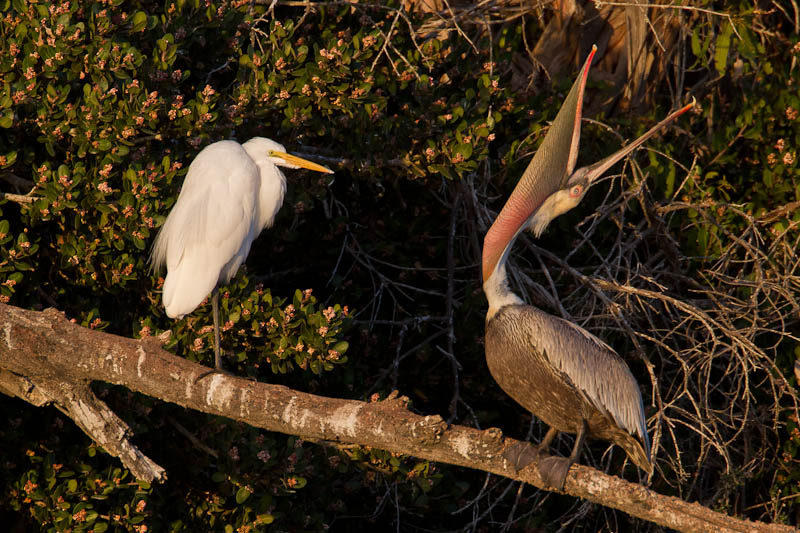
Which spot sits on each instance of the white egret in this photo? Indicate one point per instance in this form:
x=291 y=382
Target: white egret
x=231 y=192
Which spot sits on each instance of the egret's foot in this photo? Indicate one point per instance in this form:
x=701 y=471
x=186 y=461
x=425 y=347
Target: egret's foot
x=224 y=373
x=553 y=470
x=210 y=371
x=521 y=454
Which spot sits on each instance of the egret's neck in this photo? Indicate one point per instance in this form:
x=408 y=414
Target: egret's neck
x=271 y=192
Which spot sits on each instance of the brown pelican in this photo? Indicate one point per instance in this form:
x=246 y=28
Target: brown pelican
x=563 y=374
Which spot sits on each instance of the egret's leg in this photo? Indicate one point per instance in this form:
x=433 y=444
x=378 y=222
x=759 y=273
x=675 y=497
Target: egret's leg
x=215 y=310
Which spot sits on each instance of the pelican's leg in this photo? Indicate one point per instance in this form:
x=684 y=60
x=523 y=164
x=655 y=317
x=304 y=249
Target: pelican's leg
x=548 y=438
x=553 y=470
x=215 y=310
x=579 y=440
x=521 y=454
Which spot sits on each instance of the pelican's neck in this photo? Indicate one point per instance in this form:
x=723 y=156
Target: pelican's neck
x=496 y=284
x=498 y=293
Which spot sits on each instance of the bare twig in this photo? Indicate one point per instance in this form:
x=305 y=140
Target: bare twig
x=19 y=198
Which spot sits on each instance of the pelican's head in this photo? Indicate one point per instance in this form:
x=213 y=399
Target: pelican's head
x=551 y=185
x=561 y=201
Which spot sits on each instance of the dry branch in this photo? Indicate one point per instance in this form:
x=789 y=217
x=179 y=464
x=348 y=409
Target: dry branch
x=18 y=198
x=47 y=359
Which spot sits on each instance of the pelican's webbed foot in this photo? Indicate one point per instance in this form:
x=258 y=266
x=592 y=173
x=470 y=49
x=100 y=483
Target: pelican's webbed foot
x=521 y=454
x=553 y=470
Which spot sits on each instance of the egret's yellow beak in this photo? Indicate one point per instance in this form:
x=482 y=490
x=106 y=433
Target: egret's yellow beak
x=300 y=162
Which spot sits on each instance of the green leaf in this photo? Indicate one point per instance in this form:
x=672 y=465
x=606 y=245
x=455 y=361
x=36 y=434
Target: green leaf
x=5 y=98
x=7 y=119
x=696 y=41
x=242 y=494
x=464 y=149
x=11 y=158
x=264 y=519
x=722 y=49
x=341 y=346
x=138 y=21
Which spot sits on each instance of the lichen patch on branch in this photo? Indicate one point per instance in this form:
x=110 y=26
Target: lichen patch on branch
x=345 y=419
x=220 y=391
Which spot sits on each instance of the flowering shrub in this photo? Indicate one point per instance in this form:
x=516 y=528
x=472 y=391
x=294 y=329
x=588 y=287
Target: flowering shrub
x=103 y=106
x=368 y=281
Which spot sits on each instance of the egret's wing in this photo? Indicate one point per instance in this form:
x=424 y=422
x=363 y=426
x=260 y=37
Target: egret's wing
x=210 y=228
x=595 y=369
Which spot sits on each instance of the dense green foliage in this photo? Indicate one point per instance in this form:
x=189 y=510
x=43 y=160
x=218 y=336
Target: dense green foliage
x=104 y=104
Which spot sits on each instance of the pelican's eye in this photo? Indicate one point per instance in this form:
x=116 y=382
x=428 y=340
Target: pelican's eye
x=576 y=191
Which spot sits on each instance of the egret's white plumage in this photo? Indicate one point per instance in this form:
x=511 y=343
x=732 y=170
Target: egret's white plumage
x=231 y=192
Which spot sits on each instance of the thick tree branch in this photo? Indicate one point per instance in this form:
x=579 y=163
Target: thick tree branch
x=77 y=401
x=45 y=358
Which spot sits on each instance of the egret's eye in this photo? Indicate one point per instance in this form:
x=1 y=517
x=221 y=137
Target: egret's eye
x=576 y=191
